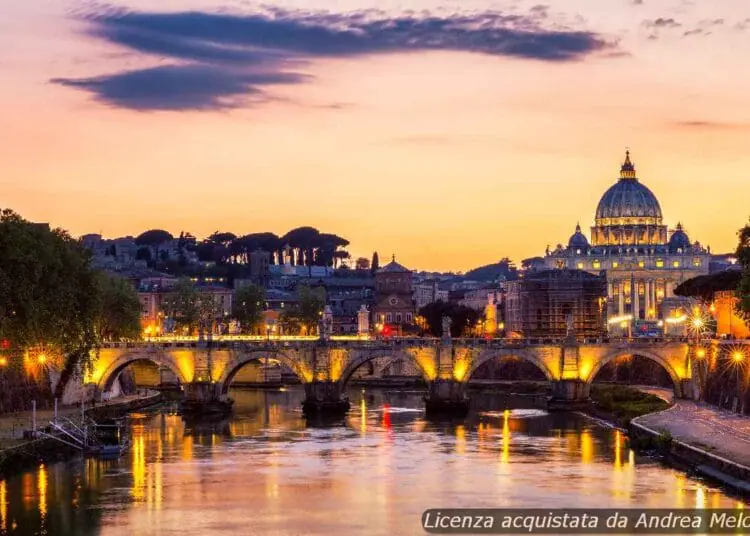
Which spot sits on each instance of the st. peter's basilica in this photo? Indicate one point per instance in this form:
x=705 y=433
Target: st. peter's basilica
x=643 y=259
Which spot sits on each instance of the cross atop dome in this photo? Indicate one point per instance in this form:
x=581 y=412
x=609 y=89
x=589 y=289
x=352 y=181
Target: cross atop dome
x=627 y=170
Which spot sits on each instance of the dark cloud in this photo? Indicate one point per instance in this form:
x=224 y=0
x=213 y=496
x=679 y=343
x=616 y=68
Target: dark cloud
x=268 y=44
x=179 y=87
x=661 y=22
x=695 y=31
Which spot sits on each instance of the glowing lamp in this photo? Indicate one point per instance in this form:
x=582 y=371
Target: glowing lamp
x=3 y=361
x=701 y=353
x=697 y=322
x=738 y=356
x=41 y=359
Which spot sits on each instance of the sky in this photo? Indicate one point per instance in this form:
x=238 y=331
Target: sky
x=450 y=134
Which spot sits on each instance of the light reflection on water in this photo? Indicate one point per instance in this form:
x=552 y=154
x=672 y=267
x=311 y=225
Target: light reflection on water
x=265 y=471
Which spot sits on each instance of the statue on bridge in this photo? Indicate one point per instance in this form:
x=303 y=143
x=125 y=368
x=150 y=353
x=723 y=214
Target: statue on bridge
x=447 y=322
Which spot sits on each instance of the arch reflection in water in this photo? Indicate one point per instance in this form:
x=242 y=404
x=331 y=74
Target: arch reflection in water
x=281 y=479
x=3 y=506
x=505 y=457
x=42 y=491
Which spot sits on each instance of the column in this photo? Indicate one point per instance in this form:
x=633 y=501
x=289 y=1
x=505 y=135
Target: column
x=636 y=300
x=647 y=298
x=653 y=299
x=610 y=290
x=667 y=289
x=621 y=298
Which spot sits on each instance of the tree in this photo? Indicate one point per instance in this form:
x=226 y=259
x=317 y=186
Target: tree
x=304 y=240
x=312 y=301
x=375 y=264
x=182 y=305
x=743 y=256
x=144 y=254
x=247 y=307
x=118 y=309
x=48 y=294
x=153 y=237
x=463 y=319
x=362 y=263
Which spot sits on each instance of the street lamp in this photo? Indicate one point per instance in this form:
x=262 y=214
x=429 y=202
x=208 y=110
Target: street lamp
x=738 y=357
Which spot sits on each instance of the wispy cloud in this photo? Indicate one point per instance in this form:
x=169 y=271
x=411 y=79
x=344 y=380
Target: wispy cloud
x=702 y=125
x=222 y=57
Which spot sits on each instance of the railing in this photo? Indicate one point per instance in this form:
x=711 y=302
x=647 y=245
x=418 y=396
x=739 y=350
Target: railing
x=301 y=342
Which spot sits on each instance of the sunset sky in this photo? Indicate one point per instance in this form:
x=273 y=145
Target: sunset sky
x=448 y=133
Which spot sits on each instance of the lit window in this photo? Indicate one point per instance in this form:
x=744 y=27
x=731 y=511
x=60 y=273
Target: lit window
x=596 y=265
x=660 y=263
x=580 y=266
x=615 y=264
x=696 y=261
x=641 y=264
x=675 y=264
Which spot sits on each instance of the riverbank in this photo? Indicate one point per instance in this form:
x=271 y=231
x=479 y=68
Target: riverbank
x=18 y=454
x=711 y=441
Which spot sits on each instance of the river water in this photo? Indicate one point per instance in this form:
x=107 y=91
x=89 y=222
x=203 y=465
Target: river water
x=265 y=471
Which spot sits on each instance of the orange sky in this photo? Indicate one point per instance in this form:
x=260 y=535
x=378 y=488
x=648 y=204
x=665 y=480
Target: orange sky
x=446 y=158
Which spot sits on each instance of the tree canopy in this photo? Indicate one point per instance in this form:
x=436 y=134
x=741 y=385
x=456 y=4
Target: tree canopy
x=704 y=286
x=48 y=292
x=247 y=306
x=118 y=309
x=153 y=237
x=463 y=318
x=743 y=256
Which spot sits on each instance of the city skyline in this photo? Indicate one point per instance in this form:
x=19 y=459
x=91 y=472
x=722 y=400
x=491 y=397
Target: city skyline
x=401 y=132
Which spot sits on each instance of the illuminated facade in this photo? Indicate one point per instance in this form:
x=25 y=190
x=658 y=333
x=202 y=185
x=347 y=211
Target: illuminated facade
x=394 y=303
x=644 y=262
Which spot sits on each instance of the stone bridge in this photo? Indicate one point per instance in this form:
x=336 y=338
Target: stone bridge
x=325 y=366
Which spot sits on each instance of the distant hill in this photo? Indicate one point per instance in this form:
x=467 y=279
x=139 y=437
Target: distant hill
x=503 y=270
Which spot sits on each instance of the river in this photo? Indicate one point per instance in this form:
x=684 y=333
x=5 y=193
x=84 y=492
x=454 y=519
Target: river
x=264 y=471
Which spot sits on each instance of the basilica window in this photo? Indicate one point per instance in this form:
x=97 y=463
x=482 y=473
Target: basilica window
x=408 y=317
x=696 y=261
x=641 y=264
x=675 y=264
x=398 y=318
x=660 y=263
x=388 y=318
x=580 y=265
x=596 y=265
x=615 y=264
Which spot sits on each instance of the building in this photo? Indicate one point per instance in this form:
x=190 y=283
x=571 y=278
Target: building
x=154 y=296
x=643 y=260
x=428 y=292
x=543 y=304
x=394 y=305
x=260 y=262
x=479 y=298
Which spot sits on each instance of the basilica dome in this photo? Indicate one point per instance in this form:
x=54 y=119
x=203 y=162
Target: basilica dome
x=679 y=241
x=578 y=240
x=629 y=199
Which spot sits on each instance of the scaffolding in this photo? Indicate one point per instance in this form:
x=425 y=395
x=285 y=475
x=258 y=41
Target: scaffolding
x=543 y=303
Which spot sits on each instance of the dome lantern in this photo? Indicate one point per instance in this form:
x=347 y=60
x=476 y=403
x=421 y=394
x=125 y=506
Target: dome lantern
x=627 y=170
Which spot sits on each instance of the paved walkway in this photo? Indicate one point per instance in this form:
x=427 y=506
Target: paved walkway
x=715 y=430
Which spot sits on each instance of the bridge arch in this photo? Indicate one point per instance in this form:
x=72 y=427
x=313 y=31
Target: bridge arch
x=525 y=355
x=363 y=357
x=159 y=358
x=657 y=357
x=243 y=358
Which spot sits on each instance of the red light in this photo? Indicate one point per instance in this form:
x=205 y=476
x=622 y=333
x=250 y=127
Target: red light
x=5 y=344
